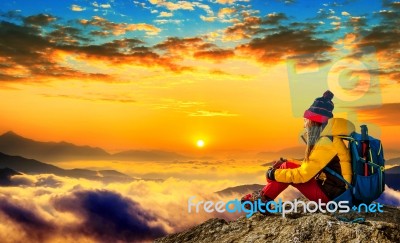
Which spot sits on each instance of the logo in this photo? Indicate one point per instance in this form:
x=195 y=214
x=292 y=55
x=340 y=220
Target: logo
x=249 y=208
x=351 y=73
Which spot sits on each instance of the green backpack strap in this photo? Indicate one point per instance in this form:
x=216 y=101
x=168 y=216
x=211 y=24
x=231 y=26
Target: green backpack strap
x=351 y=221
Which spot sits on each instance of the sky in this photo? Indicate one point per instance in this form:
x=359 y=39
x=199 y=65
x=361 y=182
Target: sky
x=237 y=74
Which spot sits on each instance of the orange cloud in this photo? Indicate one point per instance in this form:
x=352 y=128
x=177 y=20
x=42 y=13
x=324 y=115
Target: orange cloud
x=165 y=14
x=214 y=54
x=172 y=6
x=384 y=115
x=226 y=11
x=226 y=1
x=76 y=8
x=251 y=25
x=208 y=19
x=181 y=45
x=120 y=28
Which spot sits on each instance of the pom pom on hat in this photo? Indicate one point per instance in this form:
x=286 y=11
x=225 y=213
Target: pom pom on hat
x=328 y=95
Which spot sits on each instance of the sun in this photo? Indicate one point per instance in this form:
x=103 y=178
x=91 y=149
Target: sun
x=200 y=143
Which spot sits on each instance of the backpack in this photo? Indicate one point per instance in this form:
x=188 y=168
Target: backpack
x=368 y=166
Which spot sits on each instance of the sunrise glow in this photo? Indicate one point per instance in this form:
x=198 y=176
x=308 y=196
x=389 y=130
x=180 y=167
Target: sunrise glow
x=200 y=143
x=109 y=78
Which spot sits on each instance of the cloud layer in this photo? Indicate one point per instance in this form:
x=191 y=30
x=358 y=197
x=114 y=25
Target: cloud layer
x=47 y=208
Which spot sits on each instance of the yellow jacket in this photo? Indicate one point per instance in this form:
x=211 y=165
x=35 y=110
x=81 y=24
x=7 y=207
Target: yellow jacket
x=323 y=152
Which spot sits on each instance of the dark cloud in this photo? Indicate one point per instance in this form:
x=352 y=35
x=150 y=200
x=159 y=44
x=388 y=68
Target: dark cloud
x=125 y=51
x=25 y=49
x=287 y=43
x=27 y=53
x=383 y=40
x=357 y=22
x=124 y=45
x=118 y=28
x=64 y=35
x=287 y=2
x=310 y=26
x=391 y=4
x=112 y=51
x=251 y=26
x=110 y=217
x=21 y=46
x=385 y=115
x=39 y=20
x=214 y=54
x=243 y=30
x=103 y=33
x=182 y=44
x=31 y=223
x=274 y=18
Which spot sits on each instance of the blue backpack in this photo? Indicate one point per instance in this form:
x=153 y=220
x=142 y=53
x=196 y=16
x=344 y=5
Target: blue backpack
x=368 y=166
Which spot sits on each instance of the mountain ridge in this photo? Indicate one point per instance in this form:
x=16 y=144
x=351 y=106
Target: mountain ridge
x=13 y=144
x=32 y=166
x=6 y=174
x=241 y=189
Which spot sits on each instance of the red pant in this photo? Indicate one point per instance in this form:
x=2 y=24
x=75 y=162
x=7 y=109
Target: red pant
x=310 y=189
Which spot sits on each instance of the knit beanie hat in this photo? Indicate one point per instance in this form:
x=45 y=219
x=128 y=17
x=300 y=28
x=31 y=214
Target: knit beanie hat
x=321 y=110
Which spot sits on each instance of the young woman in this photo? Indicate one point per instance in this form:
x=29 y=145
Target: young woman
x=324 y=149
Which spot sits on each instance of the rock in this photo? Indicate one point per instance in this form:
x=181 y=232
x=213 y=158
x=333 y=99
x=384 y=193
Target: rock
x=300 y=227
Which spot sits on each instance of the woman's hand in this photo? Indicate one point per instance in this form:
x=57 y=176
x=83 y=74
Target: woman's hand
x=277 y=164
x=270 y=174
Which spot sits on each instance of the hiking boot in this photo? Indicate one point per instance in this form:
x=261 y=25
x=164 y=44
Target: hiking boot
x=252 y=197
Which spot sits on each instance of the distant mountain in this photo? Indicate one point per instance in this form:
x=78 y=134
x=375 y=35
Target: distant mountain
x=392 y=178
x=391 y=153
x=293 y=152
x=393 y=170
x=242 y=190
x=31 y=166
x=152 y=155
x=14 y=144
x=394 y=161
x=5 y=176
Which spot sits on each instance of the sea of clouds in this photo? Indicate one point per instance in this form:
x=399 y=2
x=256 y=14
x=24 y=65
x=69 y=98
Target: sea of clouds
x=49 y=208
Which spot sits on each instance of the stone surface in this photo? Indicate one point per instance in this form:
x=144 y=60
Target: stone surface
x=296 y=227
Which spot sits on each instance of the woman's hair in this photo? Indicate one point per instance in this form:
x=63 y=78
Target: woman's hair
x=312 y=134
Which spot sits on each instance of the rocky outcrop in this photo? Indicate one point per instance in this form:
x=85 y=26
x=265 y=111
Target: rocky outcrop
x=296 y=227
